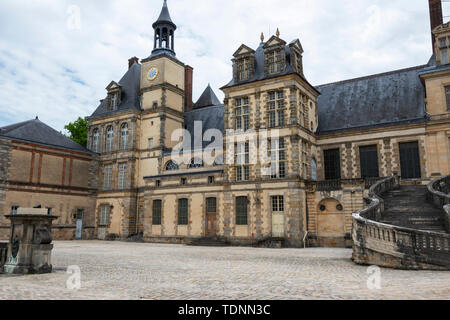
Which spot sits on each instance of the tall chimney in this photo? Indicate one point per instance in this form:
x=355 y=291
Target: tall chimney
x=188 y=83
x=131 y=61
x=436 y=18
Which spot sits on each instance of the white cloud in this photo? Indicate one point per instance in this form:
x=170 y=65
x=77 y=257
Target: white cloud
x=60 y=72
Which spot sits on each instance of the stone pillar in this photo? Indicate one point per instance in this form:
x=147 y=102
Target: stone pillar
x=29 y=249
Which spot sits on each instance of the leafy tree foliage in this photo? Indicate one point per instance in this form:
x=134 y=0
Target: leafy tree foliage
x=78 y=131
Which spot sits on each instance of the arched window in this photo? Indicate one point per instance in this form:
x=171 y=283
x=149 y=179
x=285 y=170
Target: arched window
x=109 y=139
x=171 y=166
x=196 y=163
x=124 y=137
x=95 y=140
x=314 y=169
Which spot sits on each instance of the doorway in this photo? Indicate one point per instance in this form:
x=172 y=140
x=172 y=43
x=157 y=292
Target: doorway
x=409 y=160
x=211 y=217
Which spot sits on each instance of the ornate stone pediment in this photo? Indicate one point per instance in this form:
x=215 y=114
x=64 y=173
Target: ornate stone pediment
x=243 y=50
x=113 y=86
x=274 y=41
x=296 y=45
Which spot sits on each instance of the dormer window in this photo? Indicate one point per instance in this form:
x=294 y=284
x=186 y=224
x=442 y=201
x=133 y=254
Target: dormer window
x=114 y=101
x=244 y=70
x=114 y=92
x=444 y=45
x=275 y=62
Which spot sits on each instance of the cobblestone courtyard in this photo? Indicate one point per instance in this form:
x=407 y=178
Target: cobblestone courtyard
x=118 y=270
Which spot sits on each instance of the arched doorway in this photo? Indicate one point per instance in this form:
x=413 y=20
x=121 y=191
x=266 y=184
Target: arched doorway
x=330 y=223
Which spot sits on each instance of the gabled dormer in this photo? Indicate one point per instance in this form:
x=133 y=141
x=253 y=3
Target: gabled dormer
x=274 y=56
x=114 y=96
x=296 y=56
x=243 y=63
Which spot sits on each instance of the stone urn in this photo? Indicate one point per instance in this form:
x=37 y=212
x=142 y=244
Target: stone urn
x=30 y=248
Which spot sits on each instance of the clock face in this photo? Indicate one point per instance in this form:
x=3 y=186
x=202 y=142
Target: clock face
x=152 y=73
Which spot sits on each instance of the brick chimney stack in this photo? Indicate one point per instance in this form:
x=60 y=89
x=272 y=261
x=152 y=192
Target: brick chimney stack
x=436 y=17
x=188 y=84
x=131 y=61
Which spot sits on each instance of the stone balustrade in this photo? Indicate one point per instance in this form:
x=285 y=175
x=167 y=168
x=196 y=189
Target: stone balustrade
x=385 y=245
x=438 y=194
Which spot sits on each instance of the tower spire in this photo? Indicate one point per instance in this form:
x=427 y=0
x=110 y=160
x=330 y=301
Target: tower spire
x=164 y=32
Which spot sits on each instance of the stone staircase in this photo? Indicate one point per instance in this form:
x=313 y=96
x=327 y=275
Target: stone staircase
x=209 y=242
x=408 y=207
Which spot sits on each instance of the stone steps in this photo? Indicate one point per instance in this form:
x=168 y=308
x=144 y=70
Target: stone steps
x=408 y=207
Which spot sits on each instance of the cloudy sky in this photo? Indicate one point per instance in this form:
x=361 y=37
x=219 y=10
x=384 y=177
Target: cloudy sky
x=57 y=56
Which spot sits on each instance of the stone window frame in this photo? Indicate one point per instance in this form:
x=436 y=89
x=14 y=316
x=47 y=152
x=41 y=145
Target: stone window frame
x=242 y=161
x=358 y=147
x=444 y=47
x=183 y=220
x=243 y=68
x=109 y=140
x=102 y=221
x=107 y=177
x=95 y=143
x=281 y=157
x=124 y=142
x=209 y=206
x=241 y=113
x=157 y=218
x=277 y=203
x=335 y=147
x=171 y=166
x=275 y=61
x=240 y=220
x=122 y=176
x=447 y=96
x=276 y=106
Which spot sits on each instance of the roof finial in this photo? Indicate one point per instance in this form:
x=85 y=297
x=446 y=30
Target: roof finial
x=262 y=36
x=278 y=33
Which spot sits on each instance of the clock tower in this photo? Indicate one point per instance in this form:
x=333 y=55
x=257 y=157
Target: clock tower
x=166 y=92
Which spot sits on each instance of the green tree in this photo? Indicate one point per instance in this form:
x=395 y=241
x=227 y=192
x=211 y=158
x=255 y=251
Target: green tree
x=78 y=131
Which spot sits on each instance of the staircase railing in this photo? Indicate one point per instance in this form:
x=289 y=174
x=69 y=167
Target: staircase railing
x=391 y=246
x=438 y=194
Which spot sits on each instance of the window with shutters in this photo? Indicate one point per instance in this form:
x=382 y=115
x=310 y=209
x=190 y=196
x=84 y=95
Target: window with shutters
x=241 y=211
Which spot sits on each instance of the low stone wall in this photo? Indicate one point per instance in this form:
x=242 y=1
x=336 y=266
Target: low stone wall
x=58 y=233
x=390 y=246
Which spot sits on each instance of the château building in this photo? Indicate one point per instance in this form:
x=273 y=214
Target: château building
x=334 y=141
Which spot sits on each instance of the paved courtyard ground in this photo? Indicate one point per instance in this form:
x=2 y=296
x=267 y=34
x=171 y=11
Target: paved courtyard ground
x=119 y=270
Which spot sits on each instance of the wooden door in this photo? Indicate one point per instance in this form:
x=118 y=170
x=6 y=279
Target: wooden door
x=409 y=160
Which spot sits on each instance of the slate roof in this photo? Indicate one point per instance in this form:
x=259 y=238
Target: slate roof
x=207 y=99
x=35 y=131
x=130 y=96
x=212 y=117
x=164 y=16
x=377 y=100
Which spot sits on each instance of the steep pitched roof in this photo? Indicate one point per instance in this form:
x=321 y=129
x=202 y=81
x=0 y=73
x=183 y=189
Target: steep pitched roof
x=164 y=16
x=207 y=99
x=377 y=100
x=35 y=131
x=211 y=117
x=130 y=96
